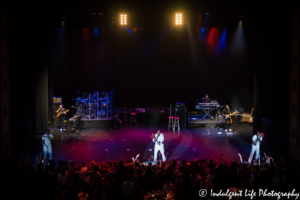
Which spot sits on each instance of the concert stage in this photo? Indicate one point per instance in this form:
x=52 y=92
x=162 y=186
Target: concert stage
x=96 y=123
x=97 y=143
x=205 y=123
x=103 y=123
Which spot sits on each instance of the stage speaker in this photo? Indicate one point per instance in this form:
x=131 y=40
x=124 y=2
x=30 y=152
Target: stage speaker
x=180 y=111
x=236 y=118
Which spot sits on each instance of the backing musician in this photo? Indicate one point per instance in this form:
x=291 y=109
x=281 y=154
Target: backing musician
x=62 y=112
x=227 y=117
x=206 y=99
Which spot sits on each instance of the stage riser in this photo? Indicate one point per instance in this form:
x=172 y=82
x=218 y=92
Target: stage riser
x=206 y=125
x=235 y=118
x=96 y=124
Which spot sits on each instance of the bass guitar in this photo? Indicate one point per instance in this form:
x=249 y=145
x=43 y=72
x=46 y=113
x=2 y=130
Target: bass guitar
x=261 y=135
x=251 y=117
x=60 y=113
x=228 y=117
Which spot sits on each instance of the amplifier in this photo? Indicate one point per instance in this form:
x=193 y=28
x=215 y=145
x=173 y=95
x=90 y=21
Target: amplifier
x=178 y=105
x=245 y=117
x=180 y=111
x=57 y=100
x=236 y=118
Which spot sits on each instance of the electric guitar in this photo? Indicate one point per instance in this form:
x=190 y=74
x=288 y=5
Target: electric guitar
x=260 y=136
x=155 y=139
x=60 y=113
x=251 y=118
x=228 y=117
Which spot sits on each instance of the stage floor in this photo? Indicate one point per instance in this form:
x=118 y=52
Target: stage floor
x=96 y=144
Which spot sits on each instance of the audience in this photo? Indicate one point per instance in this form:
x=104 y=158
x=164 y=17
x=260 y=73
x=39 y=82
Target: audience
x=128 y=188
x=84 y=177
x=168 y=186
x=62 y=178
x=94 y=178
x=133 y=180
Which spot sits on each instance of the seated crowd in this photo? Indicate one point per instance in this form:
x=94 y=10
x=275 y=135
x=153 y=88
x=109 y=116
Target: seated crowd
x=134 y=180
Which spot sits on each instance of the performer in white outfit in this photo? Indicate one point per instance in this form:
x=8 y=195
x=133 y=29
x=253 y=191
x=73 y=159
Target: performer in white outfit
x=256 y=140
x=159 y=145
x=46 y=143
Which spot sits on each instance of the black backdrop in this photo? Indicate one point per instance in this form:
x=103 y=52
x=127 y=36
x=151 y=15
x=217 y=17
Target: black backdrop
x=154 y=67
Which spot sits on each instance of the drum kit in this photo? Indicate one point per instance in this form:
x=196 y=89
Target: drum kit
x=92 y=109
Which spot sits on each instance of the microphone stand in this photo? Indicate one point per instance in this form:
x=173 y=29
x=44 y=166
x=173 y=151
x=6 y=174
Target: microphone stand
x=199 y=100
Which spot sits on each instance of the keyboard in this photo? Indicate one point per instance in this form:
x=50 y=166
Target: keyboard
x=207 y=106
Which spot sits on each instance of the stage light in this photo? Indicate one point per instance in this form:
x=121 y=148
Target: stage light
x=123 y=19
x=178 y=19
x=240 y=25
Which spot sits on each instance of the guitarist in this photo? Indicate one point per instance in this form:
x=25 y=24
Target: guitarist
x=256 y=140
x=227 y=117
x=158 y=138
x=62 y=115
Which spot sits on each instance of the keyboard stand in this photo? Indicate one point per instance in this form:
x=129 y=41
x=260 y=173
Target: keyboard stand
x=207 y=113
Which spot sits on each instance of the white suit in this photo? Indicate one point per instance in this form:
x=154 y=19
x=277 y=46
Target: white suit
x=47 y=148
x=159 y=146
x=255 y=148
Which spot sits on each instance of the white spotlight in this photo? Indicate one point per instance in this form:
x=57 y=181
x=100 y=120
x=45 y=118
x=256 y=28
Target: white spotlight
x=123 y=19
x=178 y=19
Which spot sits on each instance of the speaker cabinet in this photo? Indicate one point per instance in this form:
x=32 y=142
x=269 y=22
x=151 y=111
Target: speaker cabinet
x=236 y=118
x=245 y=117
x=180 y=111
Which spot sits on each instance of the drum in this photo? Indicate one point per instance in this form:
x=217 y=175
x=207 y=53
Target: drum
x=101 y=113
x=90 y=113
